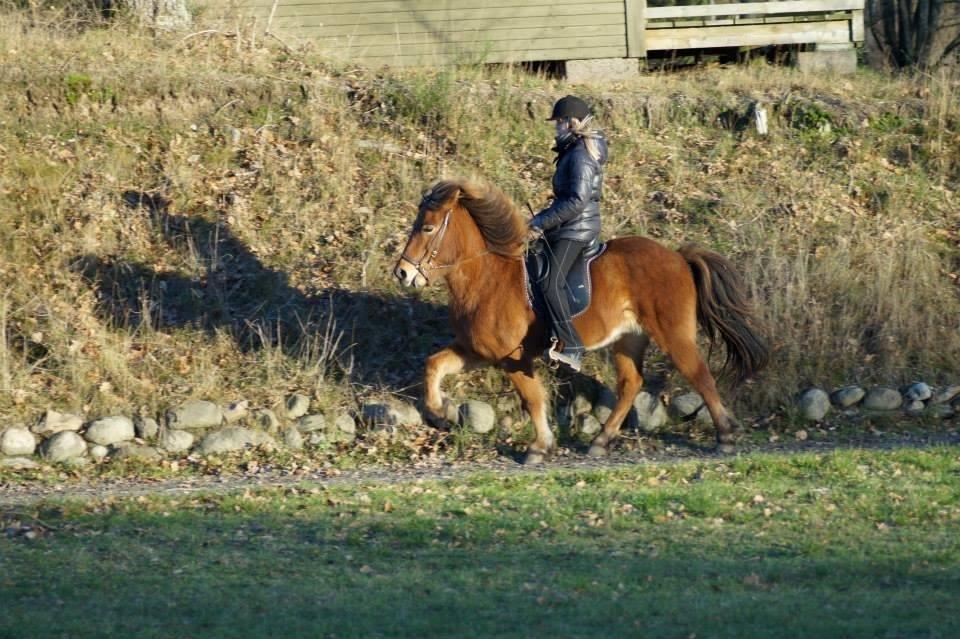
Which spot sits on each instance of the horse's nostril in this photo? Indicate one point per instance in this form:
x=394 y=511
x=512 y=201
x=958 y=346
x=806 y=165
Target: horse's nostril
x=400 y=273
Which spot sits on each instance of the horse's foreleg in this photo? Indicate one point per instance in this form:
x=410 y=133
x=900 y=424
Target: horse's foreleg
x=449 y=361
x=628 y=354
x=534 y=400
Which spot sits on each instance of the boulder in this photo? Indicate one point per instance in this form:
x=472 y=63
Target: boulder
x=478 y=416
x=813 y=404
x=130 y=450
x=176 y=441
x=292 y=438
x=651 y=413
x=946 y=395
x=882 y=399
x=17 y=440
x=63 y=446
x=685 y=405
x=98 y=452
x=847 y=396
x=588 y=424
x=296 y=406
x=918 y=391
x=232 y=438
x=146 y=427
x=194 y=415
x=311 y=423
x=18 y=463
x=236 y=411
x=110 y=430
x=604 y=405
x=52 y=422
x=266 y=420
x=390 y=414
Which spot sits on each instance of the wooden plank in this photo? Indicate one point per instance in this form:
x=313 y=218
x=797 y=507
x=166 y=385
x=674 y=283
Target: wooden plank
x=389 y=6
x=758 y=8
x=435 y=14
x=517 y=37
x=479 y=46
x=856 y=27
x=635 y=18
x=614 y=21
x=748 y=35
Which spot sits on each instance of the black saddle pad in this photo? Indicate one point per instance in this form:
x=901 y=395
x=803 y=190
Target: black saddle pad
x=578 y=279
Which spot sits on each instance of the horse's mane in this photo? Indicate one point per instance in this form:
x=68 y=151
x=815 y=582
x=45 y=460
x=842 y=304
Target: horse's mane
x=494 y=212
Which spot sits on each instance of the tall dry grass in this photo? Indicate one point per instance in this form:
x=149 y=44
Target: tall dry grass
x=216 y=216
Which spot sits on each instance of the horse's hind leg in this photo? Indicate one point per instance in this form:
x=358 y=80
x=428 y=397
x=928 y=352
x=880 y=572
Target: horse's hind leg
x=628 y=354
x=534 y=401
x=448 y=361
x=682 y=347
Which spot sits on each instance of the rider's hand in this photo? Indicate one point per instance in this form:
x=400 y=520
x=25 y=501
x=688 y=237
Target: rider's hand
x=534 y=234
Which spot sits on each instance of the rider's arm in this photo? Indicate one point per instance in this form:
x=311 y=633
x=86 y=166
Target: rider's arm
x=571 y=200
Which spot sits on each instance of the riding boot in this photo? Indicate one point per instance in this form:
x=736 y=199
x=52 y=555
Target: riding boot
x=566 y=347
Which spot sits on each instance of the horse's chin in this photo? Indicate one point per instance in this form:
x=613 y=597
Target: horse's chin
x=419 y=282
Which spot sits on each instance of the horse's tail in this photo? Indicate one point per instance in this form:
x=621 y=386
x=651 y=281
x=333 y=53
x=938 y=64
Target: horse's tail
x=724 y=312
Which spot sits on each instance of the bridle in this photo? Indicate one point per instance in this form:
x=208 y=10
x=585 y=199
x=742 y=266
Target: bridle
x=425 y=263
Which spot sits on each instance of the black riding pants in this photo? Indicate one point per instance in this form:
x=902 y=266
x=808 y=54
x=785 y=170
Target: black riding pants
x=563 y=255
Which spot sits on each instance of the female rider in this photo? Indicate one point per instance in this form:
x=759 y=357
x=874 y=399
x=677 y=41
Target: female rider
x=572 y=221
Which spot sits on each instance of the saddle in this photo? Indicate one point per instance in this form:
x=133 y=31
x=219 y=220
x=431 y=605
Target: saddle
x=578 y=279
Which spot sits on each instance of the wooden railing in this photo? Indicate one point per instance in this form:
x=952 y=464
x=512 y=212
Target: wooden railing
x=818 y=22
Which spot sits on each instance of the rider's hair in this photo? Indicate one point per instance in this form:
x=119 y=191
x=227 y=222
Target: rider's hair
x=584 y=130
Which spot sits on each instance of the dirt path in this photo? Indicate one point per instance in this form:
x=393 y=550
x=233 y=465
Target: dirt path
x=32 y=493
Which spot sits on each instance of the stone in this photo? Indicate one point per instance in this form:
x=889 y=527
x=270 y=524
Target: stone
x=914 y=407
x=296 y=406
x=146 y=428
x=232 y=438
x=588 y=424
x=918 y=391
x=176 y=441
x=236 y=411
x=581 y=404
x=651 y=413
x=311 y=423
x=266 y=420
x=602 y=69
x=391 y=414
x=882 y=399
x=17 y=440
x=131 y=450
x=603 y=407
x=110 y=430
x=292 y=438
x=946 y=395
x=478 y=416
x=345 y=423
x=52 y=422
x=318 y=438
x=63 y=446
x=847 y=396
x=18 y=463
x=195 y=414
x=840 y=62
x=686 y=405
x=98 y=452
x=813 y=404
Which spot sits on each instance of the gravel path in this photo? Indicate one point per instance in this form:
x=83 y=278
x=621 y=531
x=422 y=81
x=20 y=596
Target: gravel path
x=27 y=494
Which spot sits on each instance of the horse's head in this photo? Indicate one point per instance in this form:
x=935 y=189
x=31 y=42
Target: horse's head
x=429 y=248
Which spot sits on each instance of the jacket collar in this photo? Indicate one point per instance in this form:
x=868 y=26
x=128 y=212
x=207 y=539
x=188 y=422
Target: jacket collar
x=564 y=142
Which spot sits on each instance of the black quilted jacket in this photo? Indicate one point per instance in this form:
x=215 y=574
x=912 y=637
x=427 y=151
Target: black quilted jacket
x=577 y=190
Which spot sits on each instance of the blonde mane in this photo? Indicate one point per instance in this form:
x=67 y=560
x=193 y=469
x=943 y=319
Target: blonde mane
x=499 y=220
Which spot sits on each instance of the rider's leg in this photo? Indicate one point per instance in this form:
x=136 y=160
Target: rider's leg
x=563 y=255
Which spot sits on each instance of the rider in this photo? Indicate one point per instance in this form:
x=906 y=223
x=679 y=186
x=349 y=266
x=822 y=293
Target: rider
x=572 y=221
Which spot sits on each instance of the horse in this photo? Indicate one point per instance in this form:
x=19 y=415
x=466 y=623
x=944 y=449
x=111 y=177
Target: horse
x=474 y=237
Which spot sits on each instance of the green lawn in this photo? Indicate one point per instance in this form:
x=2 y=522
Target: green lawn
x=846 y=544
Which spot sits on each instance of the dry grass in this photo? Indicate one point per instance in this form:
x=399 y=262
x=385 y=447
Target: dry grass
x=206 y=217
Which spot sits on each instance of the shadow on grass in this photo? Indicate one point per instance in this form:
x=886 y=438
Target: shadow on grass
x=367 y=335
x=284 y=574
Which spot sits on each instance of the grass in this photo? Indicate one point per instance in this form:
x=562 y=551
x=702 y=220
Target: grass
x=189 y=218
x=851 y=543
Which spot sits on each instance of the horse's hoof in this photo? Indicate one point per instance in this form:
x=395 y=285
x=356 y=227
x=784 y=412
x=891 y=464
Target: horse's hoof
x=726 y=449
x=597 y=451
x=534 y=458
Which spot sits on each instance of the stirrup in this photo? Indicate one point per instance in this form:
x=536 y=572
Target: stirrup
x=571 y=360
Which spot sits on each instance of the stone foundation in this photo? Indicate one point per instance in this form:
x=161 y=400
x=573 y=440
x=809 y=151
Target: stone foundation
x=840 y=61
x=602 y=69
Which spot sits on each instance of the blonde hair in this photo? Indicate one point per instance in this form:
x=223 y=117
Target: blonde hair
x=583 y=130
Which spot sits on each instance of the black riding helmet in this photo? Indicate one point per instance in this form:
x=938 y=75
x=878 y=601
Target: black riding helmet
x=570 y=107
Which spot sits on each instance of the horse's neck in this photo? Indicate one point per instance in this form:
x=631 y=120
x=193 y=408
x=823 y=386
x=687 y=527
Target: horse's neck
x=490 y=279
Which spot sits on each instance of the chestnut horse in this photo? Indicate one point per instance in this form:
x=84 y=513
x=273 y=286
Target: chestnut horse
x=474 y=237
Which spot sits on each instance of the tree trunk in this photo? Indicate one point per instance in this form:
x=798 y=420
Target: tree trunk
x=921 y=33
x=162 y=14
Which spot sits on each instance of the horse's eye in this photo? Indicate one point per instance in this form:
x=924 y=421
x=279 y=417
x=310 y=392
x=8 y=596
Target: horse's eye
x=429 y=228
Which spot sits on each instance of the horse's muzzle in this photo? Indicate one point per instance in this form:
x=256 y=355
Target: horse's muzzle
x=408 y=274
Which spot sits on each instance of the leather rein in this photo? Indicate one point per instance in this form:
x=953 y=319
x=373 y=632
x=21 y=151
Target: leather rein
x=425 y=263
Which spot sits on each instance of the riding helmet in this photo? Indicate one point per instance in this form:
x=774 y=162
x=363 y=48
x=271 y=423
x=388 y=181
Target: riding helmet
x=570 y=107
